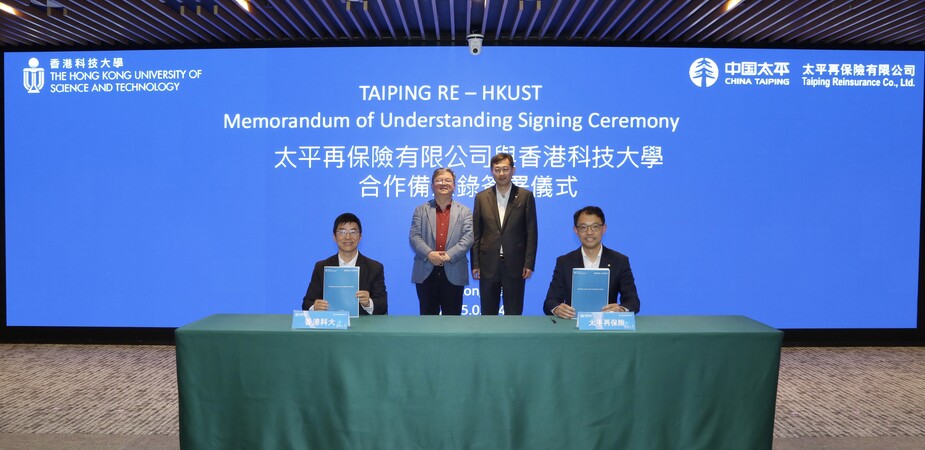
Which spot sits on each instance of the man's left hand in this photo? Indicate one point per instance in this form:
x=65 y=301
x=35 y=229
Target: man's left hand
x=363 y=297
x=613 y=307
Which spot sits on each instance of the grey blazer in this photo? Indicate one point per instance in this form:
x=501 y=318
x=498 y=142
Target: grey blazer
x=423 y=238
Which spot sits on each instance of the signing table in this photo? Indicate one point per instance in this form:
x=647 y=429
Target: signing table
x=408 y=382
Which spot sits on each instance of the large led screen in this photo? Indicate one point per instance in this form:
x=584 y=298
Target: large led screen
x=153 y=188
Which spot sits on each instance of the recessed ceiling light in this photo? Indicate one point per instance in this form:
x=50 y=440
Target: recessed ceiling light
x=732 y=4
x=8 y=9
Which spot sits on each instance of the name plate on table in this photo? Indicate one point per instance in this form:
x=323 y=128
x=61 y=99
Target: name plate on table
x=606 y=321
x=320 y=320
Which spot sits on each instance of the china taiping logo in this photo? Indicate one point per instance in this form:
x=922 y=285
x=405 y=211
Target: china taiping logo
x=33 y=77
x=704 y=72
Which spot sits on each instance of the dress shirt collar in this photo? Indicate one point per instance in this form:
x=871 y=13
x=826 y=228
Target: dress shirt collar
x=351 y=263
x=592 y=263
x=502 y=197
x=448 y=206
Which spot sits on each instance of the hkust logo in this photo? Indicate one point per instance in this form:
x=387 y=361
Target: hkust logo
x=704 y=72
x=33 y=77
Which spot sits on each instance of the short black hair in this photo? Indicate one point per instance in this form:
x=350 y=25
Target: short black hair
x=347 y=218
x=590 y=210
x=495 y=160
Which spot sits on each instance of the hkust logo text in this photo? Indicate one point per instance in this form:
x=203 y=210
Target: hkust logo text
x=101 y=76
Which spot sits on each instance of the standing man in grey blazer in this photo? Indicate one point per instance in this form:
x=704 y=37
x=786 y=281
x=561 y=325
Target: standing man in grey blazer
x=441 y=235
x=504 y=251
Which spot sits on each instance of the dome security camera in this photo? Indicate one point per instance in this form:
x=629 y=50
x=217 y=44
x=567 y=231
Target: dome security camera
x=475 y=43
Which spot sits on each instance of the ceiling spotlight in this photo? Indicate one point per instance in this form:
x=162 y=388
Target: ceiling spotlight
x=732 y=4
x=8 y=9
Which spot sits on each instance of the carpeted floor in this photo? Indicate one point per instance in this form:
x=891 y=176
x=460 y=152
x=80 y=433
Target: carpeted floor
x=125 y=397
x=88 y=389
x=851 y=391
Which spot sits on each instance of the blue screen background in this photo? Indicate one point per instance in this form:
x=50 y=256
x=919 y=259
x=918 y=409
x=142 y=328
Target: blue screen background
x=797 y=206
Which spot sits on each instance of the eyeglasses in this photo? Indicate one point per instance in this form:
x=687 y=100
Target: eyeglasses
x=443 y=181
x=501 y=169
x=344 y=233
x=594 y=227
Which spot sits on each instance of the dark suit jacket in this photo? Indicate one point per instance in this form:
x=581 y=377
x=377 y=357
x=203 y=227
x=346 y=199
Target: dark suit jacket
x=621 y=279
x=518 y=235
x=372 y=279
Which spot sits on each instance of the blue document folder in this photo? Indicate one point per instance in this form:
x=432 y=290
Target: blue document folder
x=590 y=289
x=340 y=289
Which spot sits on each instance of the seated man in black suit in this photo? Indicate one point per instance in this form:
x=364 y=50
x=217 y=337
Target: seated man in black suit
x=372 y=295
x=590 y=228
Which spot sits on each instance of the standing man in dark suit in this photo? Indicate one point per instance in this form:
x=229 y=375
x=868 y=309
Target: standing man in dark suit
x=590 y=228
x=504 y=250
x=372 y=295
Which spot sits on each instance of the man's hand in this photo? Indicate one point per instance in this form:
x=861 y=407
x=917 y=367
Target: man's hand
x=363 y=297
x=613 y=307
x=435 y=258
x=564 y=311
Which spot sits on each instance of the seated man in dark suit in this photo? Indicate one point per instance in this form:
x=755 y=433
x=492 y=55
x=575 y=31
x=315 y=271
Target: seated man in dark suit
x=372 y=295
x=590 y=228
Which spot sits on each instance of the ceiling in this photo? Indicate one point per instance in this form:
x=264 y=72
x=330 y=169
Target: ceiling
x=81 y=24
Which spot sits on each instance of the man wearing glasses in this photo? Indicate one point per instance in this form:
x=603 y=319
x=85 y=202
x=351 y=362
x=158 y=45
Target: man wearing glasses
x=441 y=235
x=372 y=295
x=590 y=228
x=504 y=251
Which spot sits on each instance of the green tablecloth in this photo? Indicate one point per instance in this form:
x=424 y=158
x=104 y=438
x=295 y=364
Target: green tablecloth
x=407 y=382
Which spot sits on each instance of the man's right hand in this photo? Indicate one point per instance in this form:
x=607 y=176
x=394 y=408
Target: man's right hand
x=564 y=311
x=435 y=258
